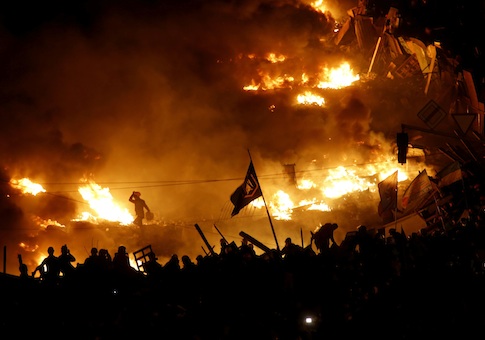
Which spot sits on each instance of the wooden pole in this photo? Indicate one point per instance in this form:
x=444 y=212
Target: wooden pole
x=266 y=207
x=255 y=242
x=374 y=55
x=205 y=240
x=220 y=234
x=430 y=73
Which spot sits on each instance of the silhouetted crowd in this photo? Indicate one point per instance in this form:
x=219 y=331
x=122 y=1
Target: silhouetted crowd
x=379 y=284
x=375 y=283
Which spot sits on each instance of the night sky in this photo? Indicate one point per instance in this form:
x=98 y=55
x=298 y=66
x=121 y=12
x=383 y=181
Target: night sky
x=148 y=96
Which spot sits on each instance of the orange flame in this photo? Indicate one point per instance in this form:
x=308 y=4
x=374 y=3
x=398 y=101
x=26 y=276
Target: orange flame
x=27 y=186
x=101 y=201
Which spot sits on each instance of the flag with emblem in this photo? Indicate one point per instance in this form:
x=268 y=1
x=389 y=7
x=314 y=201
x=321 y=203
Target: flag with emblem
x=248 y=191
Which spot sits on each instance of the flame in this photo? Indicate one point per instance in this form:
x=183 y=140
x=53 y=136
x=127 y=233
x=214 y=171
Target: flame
x=28 y=248
x=336 y=78
x=328 y=78
x=45 y=223
x=273 y=58
x=101 y=201
x=342 y=181
x=281 y=206
x=308 y=98
x=337 y=183
x=319 y=6
x=27 y=186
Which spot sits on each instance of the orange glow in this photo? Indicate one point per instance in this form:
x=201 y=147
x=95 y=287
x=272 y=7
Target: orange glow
x=27 y=247
x=45 y=223
x=328 y=78
x=272 y=57
x=27 y=186
x=309 y=98
x=337 y=183
x=336 y=78
x=319 y=6
x=101 y=201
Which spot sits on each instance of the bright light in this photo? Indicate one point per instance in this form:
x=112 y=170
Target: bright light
x=27 y=186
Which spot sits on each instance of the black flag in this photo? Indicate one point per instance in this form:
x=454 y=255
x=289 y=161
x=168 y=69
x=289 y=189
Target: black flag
x=248 y=191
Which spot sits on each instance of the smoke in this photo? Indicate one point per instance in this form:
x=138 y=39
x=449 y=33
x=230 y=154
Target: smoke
x=149 y=96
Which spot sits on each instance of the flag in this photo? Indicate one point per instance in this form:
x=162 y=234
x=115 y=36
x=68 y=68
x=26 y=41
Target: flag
x=449 y=175
x=417 y=192
x=388 y=194
x=248 y=191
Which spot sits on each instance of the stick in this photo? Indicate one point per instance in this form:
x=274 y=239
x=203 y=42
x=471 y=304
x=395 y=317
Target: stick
x=204 y=239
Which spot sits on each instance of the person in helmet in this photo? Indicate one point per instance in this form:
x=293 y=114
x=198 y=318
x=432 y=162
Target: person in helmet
x=140 y=207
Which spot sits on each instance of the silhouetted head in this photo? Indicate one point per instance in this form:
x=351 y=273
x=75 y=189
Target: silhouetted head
x=50 y=250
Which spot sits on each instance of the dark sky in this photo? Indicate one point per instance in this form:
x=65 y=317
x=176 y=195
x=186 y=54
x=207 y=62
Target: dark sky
x=144 y=95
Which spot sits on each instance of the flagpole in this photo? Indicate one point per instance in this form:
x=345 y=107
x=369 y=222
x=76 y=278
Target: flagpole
x=266 y=207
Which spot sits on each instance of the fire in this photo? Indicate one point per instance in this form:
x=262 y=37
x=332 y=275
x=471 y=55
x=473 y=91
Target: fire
x=327 y=78
x=281 y=206
x=45 y=223
x=337 y=183
x=28 y=248
x=101 y=201
x=336 y=78
x=27 y=186
x=273 y=58
x=308 y=98
x=342 y=181
x=319 y=6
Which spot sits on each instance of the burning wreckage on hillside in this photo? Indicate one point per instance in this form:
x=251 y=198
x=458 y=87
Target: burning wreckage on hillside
x=434 y=202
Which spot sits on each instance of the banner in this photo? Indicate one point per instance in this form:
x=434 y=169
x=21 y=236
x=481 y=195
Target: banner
x=388 y=194
x=449 y=175
x=417 y=192
x=248 y=191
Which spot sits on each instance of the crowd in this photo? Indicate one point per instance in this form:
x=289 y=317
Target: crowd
x=379 y=284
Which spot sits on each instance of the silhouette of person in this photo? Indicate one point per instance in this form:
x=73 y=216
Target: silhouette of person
x=66 y=260
x=105 y=260
x=48 y=268
x=152 y=267
x=223 y=244
x=121 y=261
x=172 y=267
x=324 y=235
x=187 y=264
x=24 y=270
x=246 y=250
x=290 y=249
x=140 y=207
x=93 y=260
